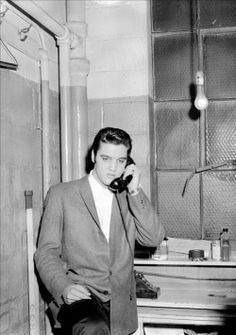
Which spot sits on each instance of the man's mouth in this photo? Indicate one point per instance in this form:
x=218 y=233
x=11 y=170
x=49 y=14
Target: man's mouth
x=111 y=176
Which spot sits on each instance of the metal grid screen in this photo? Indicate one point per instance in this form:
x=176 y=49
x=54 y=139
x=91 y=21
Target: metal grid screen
x=177 y=136
x=209 y=203
x=219 y=203
x=179 y=215
x=220 y=64
x=221 y=131
x=173 y=67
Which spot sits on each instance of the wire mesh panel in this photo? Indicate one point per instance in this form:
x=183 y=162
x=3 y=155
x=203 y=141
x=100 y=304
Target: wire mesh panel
x=177 y=139
x=172 y=15
x=179 y=215
x=220 y=64
x=174 y=67
x=219 y=203
x=177 y=136
x=180 y=15
x=218 y=13
x=221 y=132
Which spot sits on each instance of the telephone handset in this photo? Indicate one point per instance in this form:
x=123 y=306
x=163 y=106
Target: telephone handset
x=120 y=184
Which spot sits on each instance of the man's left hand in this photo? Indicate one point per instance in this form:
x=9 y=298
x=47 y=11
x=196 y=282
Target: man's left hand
x=133 y=170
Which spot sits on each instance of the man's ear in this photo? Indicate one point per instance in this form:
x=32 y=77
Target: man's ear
x=92 y=156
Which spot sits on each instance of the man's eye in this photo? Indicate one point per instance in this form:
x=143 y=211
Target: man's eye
x=121 y=161
x=104 y=158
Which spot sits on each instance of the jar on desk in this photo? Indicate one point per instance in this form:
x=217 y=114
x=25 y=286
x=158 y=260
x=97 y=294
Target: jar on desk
x=215 y=250
x=162 y=252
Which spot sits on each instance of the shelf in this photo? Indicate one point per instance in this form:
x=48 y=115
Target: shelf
x=206 y=263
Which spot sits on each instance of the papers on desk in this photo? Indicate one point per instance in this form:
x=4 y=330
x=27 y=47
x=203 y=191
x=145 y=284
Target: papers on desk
x=181 y=246
x=163 y=331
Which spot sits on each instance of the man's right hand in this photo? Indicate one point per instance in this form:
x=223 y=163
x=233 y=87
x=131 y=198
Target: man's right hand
x=74 y=293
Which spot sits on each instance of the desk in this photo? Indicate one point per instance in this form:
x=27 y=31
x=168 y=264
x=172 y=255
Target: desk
x=191 y=293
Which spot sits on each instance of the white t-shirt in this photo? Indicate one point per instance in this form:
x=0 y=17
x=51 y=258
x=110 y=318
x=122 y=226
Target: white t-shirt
x=103 y=201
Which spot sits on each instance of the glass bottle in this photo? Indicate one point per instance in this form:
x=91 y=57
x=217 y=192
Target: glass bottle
x=225 y=245
x=164 y=249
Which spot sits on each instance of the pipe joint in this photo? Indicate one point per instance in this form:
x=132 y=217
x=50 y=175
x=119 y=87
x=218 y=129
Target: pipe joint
x=70 y=38
x=75 y=41
x=66 y=38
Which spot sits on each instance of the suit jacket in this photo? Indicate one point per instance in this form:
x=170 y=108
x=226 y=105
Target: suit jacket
x=73 y=249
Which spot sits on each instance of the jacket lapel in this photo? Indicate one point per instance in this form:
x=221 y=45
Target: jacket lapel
x=119 y=211
x=122 y=203
x=85 y=192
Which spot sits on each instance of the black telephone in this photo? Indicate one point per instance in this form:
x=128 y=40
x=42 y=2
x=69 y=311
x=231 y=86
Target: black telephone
x=120 y=184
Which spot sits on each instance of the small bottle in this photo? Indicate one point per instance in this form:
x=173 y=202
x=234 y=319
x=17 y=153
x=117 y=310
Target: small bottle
x=225 y=245
x=164 y=249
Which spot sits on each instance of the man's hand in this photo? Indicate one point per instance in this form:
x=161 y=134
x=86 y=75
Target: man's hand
x=133 y=170
x=74 y=293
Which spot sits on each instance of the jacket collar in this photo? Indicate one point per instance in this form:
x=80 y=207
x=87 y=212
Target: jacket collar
x=85 y=192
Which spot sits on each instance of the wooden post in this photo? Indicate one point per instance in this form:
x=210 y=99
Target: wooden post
x=32 y=283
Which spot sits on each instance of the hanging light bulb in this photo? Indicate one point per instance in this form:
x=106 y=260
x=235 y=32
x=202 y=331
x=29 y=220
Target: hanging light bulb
x=200 y=101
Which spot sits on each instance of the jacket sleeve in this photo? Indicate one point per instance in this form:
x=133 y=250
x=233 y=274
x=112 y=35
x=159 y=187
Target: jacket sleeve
x=48 y=254
x=150 y=231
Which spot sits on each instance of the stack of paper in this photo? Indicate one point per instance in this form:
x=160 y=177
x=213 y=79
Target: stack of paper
x=163 y=331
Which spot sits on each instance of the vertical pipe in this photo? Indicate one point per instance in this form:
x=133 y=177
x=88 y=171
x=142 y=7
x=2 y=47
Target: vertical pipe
x=45 y=119
x=33 y=290
x=75 y=11
x=65 y=100
x=45 y=132
x=79 y=130
x=79 y=68
x=45 y=137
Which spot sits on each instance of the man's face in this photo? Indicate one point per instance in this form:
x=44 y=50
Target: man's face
x=110 y=162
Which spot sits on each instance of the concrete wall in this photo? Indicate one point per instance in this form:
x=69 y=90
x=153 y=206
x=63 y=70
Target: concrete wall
x=21 y=169
x=118 y=82
x=21 y=165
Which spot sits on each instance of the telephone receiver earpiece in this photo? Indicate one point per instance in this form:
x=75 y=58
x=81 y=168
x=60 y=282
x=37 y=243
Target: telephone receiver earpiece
x=119 y=184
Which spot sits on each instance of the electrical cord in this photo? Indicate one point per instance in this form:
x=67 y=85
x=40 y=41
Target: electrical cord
x=206 y=168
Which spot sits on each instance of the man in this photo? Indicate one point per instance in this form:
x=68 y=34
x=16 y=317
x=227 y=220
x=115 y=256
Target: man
x=86 y=244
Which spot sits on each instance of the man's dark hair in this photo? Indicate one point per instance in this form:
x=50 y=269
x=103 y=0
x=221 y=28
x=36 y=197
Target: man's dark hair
x=112 y=135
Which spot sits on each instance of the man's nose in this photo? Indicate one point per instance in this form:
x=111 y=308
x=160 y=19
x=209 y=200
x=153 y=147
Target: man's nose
x=113 y=165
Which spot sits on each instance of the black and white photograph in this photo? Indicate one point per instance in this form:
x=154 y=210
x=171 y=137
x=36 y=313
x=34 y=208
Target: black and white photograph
x=118 y=167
